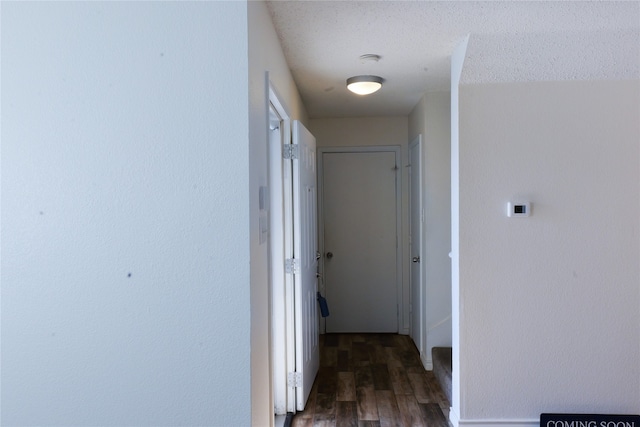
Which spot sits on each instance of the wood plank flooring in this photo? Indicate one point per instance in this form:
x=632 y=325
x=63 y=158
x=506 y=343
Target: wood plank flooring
x=373 y=380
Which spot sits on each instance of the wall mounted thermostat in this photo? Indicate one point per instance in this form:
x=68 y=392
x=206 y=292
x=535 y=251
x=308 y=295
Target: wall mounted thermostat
x=518 y=209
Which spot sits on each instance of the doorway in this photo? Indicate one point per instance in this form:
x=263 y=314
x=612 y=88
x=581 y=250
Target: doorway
x=280 y=244
x=290 y=200
x=360 y=237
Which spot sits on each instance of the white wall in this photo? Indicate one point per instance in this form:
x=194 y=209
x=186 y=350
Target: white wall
x=265 y=55
x=125 y=245
x=365 y=131
x=360 y=131
x=551 y=302
x=431 y=117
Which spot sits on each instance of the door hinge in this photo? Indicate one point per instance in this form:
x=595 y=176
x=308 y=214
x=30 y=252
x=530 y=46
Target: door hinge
x=291 y=151
x=291 y=266
x=294 y=379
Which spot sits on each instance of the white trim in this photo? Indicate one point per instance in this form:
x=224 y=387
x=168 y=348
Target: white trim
x=279 y=420
x=500 y=422
x=289 y=280
x=276 y=276
x=416 y=236
x=427 y=363
x=280 y=245
x=455 y=421
x=399 y=282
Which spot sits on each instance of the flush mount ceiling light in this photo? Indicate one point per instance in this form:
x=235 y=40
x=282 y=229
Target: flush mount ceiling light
x=364 y=85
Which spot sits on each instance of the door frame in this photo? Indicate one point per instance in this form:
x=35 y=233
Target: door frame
x=417 y=304
x=281 y=247
x=396 y=149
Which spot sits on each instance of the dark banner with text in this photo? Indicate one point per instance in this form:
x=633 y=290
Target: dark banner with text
x=589 y=420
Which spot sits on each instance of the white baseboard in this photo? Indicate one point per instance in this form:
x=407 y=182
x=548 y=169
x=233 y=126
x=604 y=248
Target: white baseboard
x=453 y=418
x=279 y=420
x=499 y=423
x=455 y=421
x=426 y=362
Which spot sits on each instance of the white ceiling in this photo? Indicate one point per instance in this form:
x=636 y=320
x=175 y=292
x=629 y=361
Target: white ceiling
x=509 y=41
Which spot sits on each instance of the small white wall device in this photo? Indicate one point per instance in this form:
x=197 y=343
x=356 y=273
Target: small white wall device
x=518 y=209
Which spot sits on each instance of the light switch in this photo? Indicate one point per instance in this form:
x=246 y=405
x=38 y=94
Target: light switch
x=264 y=198
x=518 y=209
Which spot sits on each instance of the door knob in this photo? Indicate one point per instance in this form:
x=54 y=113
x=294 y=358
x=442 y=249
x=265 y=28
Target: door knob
x=416 y=259
x=329 y=255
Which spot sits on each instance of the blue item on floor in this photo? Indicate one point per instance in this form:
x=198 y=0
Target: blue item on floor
x=324 y=308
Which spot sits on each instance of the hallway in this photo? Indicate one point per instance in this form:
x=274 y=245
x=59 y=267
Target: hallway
x=373 y=380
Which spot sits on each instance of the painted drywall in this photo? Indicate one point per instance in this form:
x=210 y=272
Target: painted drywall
x=372 y=131
x=125 y=212
x=265 y=56
x=431 y=117
x=550 y=302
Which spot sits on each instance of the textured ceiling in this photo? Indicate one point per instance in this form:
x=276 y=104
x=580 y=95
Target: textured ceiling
x=509 y=41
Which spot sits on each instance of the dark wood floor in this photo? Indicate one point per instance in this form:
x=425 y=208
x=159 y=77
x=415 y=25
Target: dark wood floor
x=368 y=380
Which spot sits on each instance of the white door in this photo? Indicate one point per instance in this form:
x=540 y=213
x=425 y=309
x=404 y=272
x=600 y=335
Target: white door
x=305 y=267
x=360 y=228
x=415 y=232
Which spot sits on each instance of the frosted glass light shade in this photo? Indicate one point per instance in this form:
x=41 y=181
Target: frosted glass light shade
x=364 y=85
